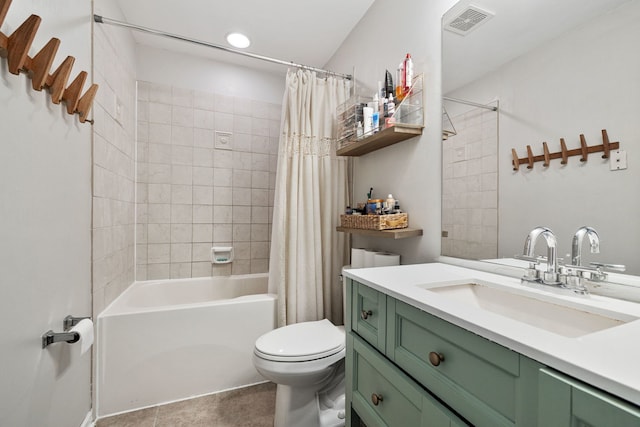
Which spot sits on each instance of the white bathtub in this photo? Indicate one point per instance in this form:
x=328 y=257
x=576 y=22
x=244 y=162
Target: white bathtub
x=162 y=341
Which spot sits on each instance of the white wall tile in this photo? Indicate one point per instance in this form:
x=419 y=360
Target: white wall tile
x=182 y=97
x=203 y=157
x=198 y=195
x=202 y=176
x=202 y=214
x=182 y=135
x=222 y=232
x=159 y=253
x=222 y=214
x=222 y=196
x=181 y=194
x=181 y=252
x=203 y=233
x=159 y=233
x=203 y=138
x=180 y=270
x=182 y=116
x=203 y=195
x=181 y=214
x=203 y=119
x=181 y=174
x=181 y=233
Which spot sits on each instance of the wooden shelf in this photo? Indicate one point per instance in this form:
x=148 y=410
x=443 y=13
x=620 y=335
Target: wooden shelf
x=384 y=138
x=399 y=233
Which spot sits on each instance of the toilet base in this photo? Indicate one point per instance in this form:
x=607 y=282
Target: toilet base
x=303 y=407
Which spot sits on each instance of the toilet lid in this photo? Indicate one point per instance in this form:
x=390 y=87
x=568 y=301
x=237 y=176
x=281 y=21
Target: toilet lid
x=301 y=341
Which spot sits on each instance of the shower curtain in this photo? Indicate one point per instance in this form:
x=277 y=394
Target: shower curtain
x=311 y=191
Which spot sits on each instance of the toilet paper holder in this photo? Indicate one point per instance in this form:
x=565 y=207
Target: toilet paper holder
x=51 y=337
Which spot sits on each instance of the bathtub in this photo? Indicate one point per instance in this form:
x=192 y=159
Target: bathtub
x=162 y=341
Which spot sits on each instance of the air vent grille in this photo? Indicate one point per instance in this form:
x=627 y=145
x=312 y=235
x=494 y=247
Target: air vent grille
x=470 y=19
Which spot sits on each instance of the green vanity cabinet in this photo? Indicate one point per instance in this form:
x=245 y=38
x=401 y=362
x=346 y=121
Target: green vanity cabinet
x=406 y=368
x=486 y=383
x=369 y=314
x=382 y=395
x=567 y=402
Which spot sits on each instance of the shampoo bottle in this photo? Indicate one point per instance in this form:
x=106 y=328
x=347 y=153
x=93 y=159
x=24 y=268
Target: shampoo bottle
x=407 y=74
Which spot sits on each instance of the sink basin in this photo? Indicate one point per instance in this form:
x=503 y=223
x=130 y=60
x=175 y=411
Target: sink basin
x=551 y=315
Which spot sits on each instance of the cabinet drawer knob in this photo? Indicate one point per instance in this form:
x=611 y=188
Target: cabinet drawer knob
x=376 y=399
x=365 y=314
x=436 y=358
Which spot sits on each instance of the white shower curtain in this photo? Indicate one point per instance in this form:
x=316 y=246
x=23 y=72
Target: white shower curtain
x=311 y=191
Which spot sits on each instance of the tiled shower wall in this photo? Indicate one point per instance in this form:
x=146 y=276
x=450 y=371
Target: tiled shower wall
x=113 y=165
x=470 y=186
x=192 y=194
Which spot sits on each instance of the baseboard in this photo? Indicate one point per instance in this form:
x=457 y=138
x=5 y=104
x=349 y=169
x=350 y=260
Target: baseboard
x=88 y=421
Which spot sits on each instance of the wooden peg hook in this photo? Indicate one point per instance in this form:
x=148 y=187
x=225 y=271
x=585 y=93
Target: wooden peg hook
x=583 y=148
x=546 y=155
x=606 y=145
x=20 y=42
x=4 y=41
x=530 y=157
x=564 y=152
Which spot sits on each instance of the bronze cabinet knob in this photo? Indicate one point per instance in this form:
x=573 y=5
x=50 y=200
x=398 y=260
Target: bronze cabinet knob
x=365 y=314
x=436 y=358
x=376 y=399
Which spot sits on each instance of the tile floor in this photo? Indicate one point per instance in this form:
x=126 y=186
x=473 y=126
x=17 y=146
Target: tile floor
x=246 y=407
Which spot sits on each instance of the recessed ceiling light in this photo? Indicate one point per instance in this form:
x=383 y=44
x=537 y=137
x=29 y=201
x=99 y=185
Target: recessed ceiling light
x=238 y=40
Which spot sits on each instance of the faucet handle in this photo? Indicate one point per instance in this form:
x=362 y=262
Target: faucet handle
x=609 y=267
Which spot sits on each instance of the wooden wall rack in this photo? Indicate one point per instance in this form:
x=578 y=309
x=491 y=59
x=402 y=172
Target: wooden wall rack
x=564 y=154
x=16 y=49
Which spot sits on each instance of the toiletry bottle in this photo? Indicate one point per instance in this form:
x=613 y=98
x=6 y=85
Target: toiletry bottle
x=388 y=84
x=399 y=84
x=390 y=203
x=385 y=108
x=391 y=106
x=375 y=119
x=359 y=130
x=367 y=114
x=407 y=74
x=374 y=103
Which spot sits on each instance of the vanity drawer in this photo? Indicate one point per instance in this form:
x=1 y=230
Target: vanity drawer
x=482 y=381
x=369 y=314
x=383 y=396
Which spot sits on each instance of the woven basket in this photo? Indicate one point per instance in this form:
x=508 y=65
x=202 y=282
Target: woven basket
x=375 y=222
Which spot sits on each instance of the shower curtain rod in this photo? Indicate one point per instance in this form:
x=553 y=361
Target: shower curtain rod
x=102 y=20
x=475 y=104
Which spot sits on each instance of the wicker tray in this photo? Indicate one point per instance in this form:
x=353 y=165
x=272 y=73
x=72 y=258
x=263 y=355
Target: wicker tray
x=375 y=222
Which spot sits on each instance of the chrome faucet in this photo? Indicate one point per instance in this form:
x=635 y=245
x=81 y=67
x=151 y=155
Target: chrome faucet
x=549 y=277
x=576 y=244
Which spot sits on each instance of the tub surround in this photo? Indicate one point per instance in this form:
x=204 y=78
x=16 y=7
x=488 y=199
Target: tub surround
x=600 y=358
x=168 y=340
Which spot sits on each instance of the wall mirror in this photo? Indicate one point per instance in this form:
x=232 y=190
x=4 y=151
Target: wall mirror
x=553 y=70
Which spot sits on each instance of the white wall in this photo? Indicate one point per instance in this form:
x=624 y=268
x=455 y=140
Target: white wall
x=411 y=170
x=579 y=84
x=45 y=226
x=202 y=74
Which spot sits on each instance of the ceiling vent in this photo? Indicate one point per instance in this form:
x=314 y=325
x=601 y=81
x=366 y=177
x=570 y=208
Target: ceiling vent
x=470 y=19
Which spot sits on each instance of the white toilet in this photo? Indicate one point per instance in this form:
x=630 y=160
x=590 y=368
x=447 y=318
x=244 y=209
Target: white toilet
x=306 y=361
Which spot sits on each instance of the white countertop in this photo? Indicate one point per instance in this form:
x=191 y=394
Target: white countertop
x=608 y=359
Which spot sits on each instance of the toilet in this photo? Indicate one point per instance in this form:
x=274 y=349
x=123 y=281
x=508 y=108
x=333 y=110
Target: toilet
x=306 y=361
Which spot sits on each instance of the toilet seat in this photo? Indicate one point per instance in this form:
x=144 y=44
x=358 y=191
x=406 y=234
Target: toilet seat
x=301 y=342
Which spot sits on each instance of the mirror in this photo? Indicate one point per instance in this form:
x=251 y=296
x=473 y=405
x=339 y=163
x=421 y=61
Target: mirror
x=554 y=70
